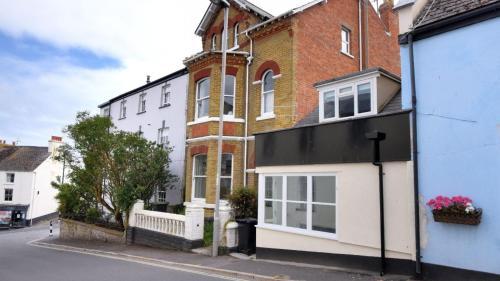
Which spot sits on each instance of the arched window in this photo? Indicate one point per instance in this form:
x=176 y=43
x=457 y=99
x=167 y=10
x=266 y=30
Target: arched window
x=214 y=42
x=267 y=98
x=236 y=30
x=202 y=97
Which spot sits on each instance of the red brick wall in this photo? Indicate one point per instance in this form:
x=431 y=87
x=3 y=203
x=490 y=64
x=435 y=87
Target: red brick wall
x=317 y=46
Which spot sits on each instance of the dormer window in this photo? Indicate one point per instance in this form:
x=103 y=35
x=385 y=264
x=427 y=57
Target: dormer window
x=213 y=44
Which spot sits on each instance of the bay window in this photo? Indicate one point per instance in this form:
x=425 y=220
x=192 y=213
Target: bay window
x=347 y=100
x=202 y=98
x=299 y=203
x=229 y=91
x=199 y=176
x=226 y=176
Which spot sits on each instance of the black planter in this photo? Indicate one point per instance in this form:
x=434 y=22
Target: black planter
x=246 y=235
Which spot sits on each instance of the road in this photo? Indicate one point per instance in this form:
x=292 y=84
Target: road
x=22 y=262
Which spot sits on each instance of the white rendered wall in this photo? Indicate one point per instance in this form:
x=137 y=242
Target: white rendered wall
x=44 y=201
x=358 y=222
x=22 y=187
x=150 y=121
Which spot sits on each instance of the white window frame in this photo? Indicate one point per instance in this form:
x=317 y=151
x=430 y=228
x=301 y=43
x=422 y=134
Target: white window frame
x=283 y=227
x=163 y=134
x=165 y=95
x=196 y=117
x=354 y=84
x=193 y=183
x=7 y=178
x=234 y=98
x=228 y=177
x=265 y=115
x=236 y=30
x=161 y=196
x=348 y=42
x=142 y=103
x=123 y=109
x=106 y=111
x=11 y=194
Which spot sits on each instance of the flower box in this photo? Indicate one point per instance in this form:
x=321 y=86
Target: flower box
x=469 y=219
x=457 y=209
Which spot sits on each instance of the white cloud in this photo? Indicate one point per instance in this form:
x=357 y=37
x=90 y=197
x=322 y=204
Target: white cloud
x=147 y=37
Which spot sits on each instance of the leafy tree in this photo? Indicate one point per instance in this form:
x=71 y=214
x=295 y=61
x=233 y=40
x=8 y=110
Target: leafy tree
x=112 y=167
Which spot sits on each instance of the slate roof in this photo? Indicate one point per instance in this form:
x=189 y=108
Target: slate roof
x=437 y=10
x=22 y=158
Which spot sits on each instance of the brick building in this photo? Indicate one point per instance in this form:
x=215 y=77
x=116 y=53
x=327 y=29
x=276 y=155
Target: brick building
x=272 y=65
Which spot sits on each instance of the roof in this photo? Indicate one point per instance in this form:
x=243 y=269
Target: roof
x=213 y=9
x=286 y=14
x=22 y=158
x=360 y=73
x=403 y=3
x=436 y=10
x=146 y=86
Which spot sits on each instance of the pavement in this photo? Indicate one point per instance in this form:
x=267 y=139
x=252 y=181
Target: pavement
x=87 y=259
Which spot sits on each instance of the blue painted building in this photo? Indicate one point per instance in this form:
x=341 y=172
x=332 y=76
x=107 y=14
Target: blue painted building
x=456 y=55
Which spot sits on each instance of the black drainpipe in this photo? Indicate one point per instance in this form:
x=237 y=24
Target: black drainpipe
x=418 y=264
x=376 y=137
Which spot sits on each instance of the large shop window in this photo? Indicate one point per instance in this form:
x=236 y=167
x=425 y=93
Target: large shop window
x=347 y=101
x=229 y=91
x=300 y=203
x=200 y=176
x=267 y=98
x=202 y=98
x=226 y=176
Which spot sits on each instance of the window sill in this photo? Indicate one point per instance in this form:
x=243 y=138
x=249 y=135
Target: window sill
x=165 y=105
x=317 y=234
x=347 y=54
x=142 y=112
x=339 y=119
x=265 y=117
x=216 y=119
x=122 y=118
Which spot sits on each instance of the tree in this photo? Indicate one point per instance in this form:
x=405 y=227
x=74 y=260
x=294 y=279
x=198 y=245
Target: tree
x=114 y=168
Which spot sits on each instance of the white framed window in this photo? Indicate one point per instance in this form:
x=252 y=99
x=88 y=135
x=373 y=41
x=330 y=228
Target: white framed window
x=345 y=35
x=236 y=35
x=213 y=43
x=123 y=109
x=267 y=96
x=226 y=176
x=161 y=195
x=347 y=100
x=202 y=98
x=199 y=176
x=165 y=95
x=229 y=95
x=163 y=135
x=105 y=112
x=8 y=194
x=140 y=132
x=142 y=103
x=299 y=203
x=10 y=177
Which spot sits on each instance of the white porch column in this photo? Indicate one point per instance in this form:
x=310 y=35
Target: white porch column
x=195 y=220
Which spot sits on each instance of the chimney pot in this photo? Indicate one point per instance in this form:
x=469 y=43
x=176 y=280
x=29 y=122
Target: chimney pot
x=56 y=138
x=148 y=79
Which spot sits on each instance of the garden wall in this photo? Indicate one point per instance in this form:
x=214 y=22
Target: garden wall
x=71 y=229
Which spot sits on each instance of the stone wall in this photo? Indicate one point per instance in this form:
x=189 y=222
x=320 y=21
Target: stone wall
x=71 y=229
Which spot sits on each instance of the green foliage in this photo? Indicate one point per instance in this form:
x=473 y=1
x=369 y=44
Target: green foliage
x=93 y=215
x=243 y=200
x=73 y=201
x=179 y=209
x=208 y=233
x=111 y=169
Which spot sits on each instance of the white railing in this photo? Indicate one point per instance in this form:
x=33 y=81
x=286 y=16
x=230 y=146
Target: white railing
x=167 y=223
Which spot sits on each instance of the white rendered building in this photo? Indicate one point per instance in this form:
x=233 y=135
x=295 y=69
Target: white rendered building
x=157 y=110
x=26 y=174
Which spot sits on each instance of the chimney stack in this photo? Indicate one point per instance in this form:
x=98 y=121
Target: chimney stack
x=148 y=79
x=54 y=143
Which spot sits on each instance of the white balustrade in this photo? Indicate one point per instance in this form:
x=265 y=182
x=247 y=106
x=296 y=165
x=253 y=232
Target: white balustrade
x=167 y=223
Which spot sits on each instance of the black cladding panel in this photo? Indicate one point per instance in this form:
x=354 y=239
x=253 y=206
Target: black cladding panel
x=339 y=142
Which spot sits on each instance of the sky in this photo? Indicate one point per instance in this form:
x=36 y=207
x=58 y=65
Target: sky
x=58 y=57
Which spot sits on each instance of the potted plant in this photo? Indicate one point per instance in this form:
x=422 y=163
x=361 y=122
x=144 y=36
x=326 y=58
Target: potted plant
x=243 y=201
x=457 y=209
